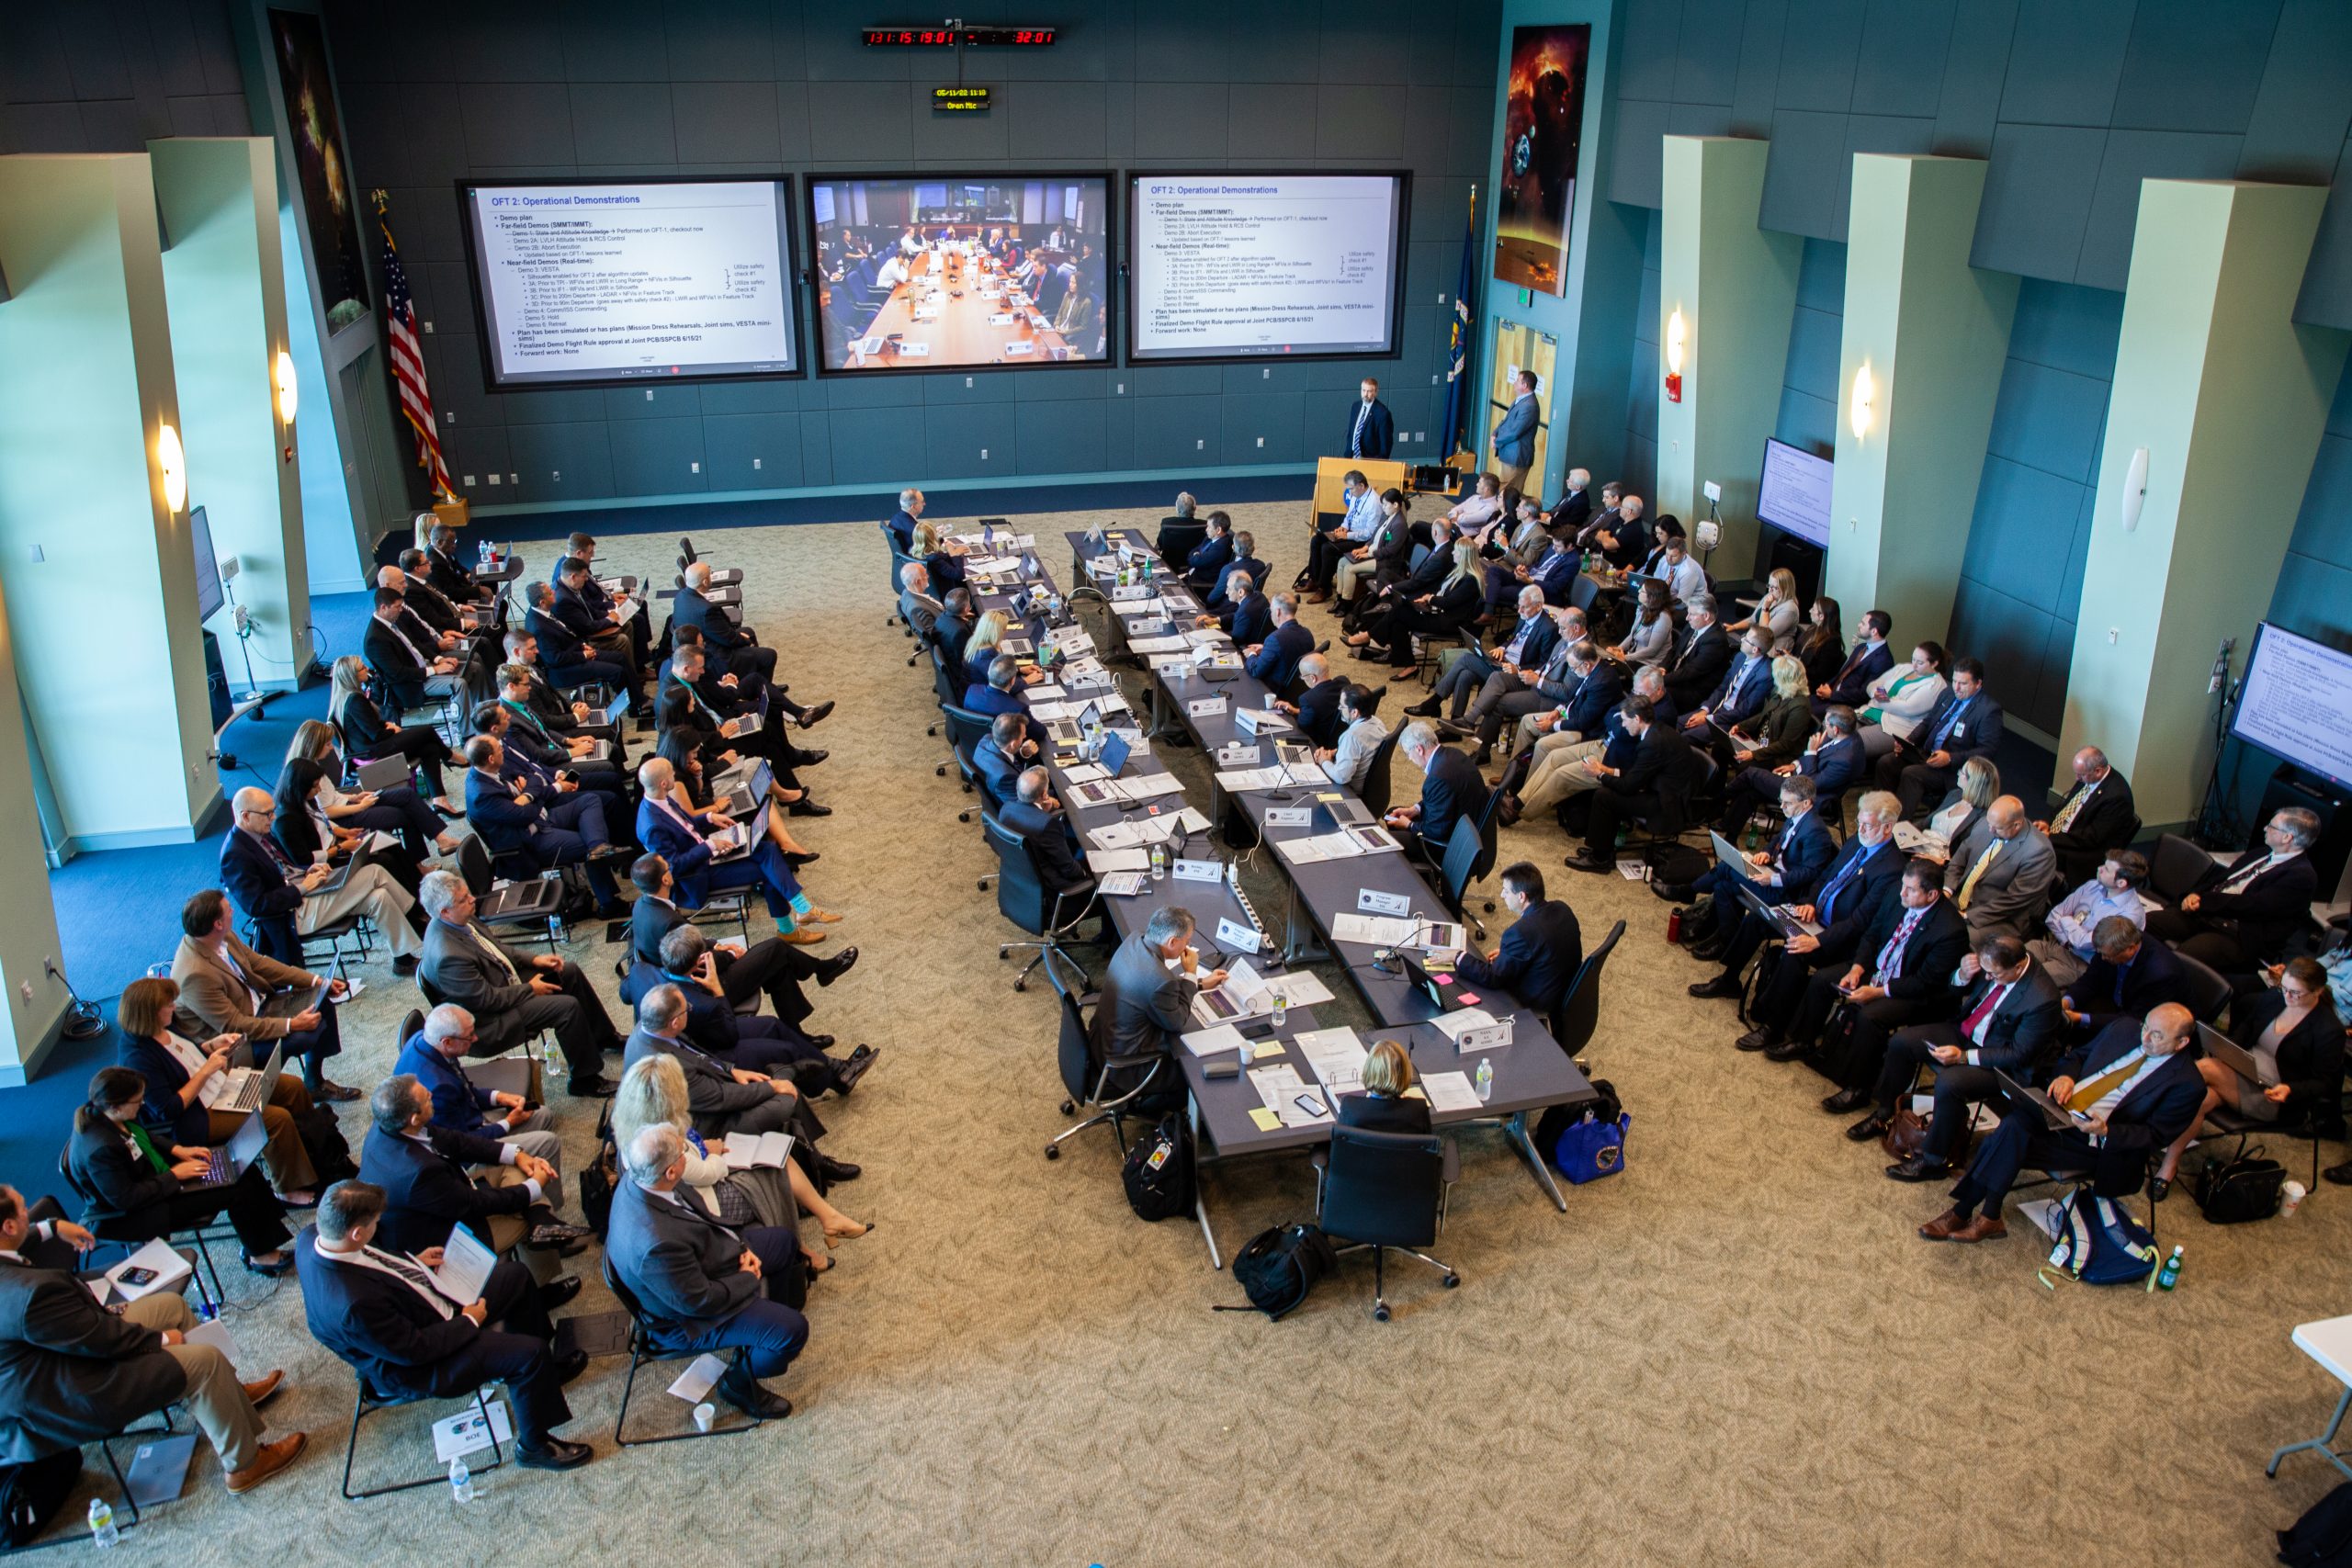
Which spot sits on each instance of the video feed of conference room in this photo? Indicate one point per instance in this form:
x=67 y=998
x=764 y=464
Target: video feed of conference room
x=926 y=274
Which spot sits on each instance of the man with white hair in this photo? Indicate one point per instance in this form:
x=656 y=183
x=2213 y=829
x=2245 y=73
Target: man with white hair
x=513 y=996
x=1570 y=513
x=1452 y=788
x=916 y=606
x=719 y=630
x=903 y=525
x=267 y=885
x=435 y=1057
x=699 y=1285
x=1318 y=708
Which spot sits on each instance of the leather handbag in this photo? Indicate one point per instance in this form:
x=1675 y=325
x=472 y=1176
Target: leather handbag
x=1906 y=1135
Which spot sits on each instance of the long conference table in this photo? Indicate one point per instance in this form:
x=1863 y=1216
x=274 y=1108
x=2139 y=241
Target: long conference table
x=943 y=314
x=1530 y=1071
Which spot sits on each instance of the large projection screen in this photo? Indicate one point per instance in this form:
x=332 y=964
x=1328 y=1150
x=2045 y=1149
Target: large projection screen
x=949 y=272
x=1251 y=266
x=592 y=282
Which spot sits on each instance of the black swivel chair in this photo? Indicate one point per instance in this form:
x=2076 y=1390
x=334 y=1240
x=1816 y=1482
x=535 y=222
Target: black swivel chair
x=1458 y=868
x=1088 y=1078
x=643 y=1347
x=1052 y=917
x=965 y=729
x=1574 y=1019
x=1378 y=786
x=1177 y=541
x=2177 y=867
x=2208 y=994
x=1382 y=1192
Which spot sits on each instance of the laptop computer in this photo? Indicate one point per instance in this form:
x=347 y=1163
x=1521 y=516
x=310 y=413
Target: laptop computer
x=229 y=1162
x=751 y=792
x=250 y=1088
x=1417 y=975
x=501 y=902
x=1115 y=753
x=294 y=1003
x=2055 y=1116
x=384 y=772
x=2234 y=1057
x=1333 y=812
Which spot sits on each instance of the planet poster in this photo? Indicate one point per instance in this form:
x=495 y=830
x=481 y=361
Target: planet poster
x=1543 y=145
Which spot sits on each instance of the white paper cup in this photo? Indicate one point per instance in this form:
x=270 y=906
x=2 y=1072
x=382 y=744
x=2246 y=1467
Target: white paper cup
x=706 y=1414
x=2290 y=1197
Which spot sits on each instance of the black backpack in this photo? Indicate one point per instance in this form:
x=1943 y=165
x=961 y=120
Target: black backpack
x=1278 y=1268
x=2247 y=1187
x=596 y=1190
x=2323 y=1536
x=1157 y=1174
x=31 y=1494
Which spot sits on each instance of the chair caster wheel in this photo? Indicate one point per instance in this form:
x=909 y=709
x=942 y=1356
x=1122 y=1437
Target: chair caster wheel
x=962 y=817
x=1490 y=905
x=982 y=885
x=1452 y=1280
x=1053 y=1151
x=1021 y=985
x=1003 y=954
x=939 y=772
x=1069 y=1108
x=1380 y=1313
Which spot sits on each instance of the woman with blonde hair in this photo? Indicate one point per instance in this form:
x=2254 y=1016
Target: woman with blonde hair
x=1441 y=613
x=1973 y=792
x=941 y=557
x=653 y=1092
x=367 y=734
x=1776 y=612
x=1780 y=727
x=1383 y=1107
x=396 y=808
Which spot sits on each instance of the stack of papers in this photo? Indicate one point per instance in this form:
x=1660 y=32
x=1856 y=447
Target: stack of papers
x=1375 y=931
x=1450 y=1091
x=1122 y=884
x=1345 y=844
x=1116 y=836
x=1452 y=1023
x=1208 y=1042
x=1288 y=1096
x=465 y=1266
x=1336 y=1056
x=1102 y=862
x=1157 y=645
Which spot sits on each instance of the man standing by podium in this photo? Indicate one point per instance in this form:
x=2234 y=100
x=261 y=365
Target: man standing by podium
x=1515 y=436
x=1372 y=429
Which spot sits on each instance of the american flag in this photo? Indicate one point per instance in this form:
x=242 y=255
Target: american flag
x=408 y=364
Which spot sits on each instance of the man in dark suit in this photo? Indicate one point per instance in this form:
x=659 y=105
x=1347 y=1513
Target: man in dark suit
x=1239 y=610
x=954 y=626
x=1212 y=554
x=725 y=1100
x=1000 y=693
x=2097 y=816
x=449 y=573
x=1481 y=677
x=265 y=881
x=719 y=630
x=572 y=661
x=1372 y=429
x=1871 y=659
x=435 y=1178
x=603 y=630
x=2130 y=976
x=1452 y=788
x=1318 y=708
x=1572 y=510
x=1833 y=760
x=512 y=997
x=1663 y=762
x=390 y=1322
x=698 y=1285
x=770 y=968
x=565 y=828
x=716 y=1028
x=1789 y=868
x=2244 y=913
x=1037 y=817
x=2134 y=1090
x=903 y=521
x=1000 y=755
x=435 y=1056
x=2011 y=1021
x=1145 y=1005
x=1965 y=722
x=1696 y=665
x=1745 y=687
x=1538 y=957
x=1903 y=972
x=414 y=671
x=1275 y=659
x=72 y=1372
x=1514 y=438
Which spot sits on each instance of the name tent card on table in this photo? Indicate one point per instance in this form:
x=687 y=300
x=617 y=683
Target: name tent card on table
x=1373 y=901
x=1233 y=936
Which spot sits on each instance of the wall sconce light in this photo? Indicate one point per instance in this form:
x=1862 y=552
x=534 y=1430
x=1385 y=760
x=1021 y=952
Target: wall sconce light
x=173 y=460
x=2135 y=489
x=1678 y=339
x=282 y=372
x=1863 y=413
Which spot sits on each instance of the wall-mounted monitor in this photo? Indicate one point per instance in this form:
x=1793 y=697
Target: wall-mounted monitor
x=2296 y=702
x=1250 y=265
x=1794 y=494
x=603 y=282
x=209 y=593
x=948 y=272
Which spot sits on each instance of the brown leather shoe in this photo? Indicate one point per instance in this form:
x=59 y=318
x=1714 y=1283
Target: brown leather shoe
x=1984 y=1227
x=1943 y=1227
x=801 y=938
x=273 y=1458
x=261 y=1389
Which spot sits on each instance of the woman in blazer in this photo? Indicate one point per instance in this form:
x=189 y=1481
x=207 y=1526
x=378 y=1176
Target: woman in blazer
x=302 y=825
x=1906 y=696
x=1651 y=637
x=182 y=1078
x=396 y=808
x=2297 y=1041
x=134 y=1190
x=1382 y=1107
x=941 y=557
x=1348 y=764
x=1978 y=786
x=367 y=734
x=1822 y=647
x=1781 y=729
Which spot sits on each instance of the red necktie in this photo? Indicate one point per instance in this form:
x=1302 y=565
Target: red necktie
x=1969 y=1025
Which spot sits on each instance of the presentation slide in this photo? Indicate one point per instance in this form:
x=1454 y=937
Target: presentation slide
x=584 y=282
x=1241 y=265
x=1793 y=495
x=940 y=273
x=2297 y=701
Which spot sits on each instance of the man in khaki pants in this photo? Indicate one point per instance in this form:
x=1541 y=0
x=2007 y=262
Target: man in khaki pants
x=72 y=1372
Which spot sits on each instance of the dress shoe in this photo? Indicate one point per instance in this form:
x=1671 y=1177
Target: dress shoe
x=1943 y=1227
x=328 y=1090
x=797 y=858
x=1846 y=1101
x=1482 y=756
x=283 y=1266
x=2341 y=1175
x=1919 y=1167
x=1720 y=986
x=1672 y=892
x=1870 y=1128
x=564 y=1241
x=606 y=851
x=816 y=716
x=595 y=1086
x=273 y=1458
x=810 y=756
x=1424 y=709
x=554 y=1454
x=446 y=810
x=743 y=1392
x=570 y=1365
x=258 y=1390
x=1984 y=1227
x=1508 y=812
x=822 y=917
x=822 y=1041
x=832 y=1169
x=832 y=969
x=558 y=1290
x=1758 y=1040
x=801 y=938
x=612 y=909
x=404 y=964
x=805 y=806
x=1709 y=949
x=846 y=1075
x=1585 y=860
x=2159 y=1189
x=1788 y=1051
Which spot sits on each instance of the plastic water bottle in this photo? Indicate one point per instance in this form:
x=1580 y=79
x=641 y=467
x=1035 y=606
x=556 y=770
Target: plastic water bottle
x=1158 y=863
x=103 y=1531
x=482 y=554
x=2169 y=1275
x=1485 y=1077
x=461 y=1480
x=1281 y=1009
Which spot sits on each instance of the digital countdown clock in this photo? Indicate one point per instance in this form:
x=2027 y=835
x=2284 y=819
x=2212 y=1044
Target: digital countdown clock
x=948 y=38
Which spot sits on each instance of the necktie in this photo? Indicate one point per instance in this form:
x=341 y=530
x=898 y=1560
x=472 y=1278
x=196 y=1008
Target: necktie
x=1355 y=437
x=2237 y=879
x=251 y=992
x=2087 y=1095
x=1890 y=957
x=1983 y=1011
x=2066 y=813
x=1951 y=717
x=147 y=1146
x=416 y=1279
x=1837 y=884
x=496 y=952
x=1968 y=887
x=393 y=627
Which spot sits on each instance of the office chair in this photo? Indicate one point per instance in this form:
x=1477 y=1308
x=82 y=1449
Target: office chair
x=1177 y=541
x=1023 y=898
x=1574 y=1019
x=2208 y=994
x=369 y=1401
x=1087 y=1076
x=1378 y=786
x=2176 y=868
x=727 y=577
x=1459 y=868
x=644 y=1347
x=965 y=729
x=1384 y=1192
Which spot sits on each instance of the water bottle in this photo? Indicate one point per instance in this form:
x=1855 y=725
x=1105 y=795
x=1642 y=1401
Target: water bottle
x=2169 y=1275
x=103 y=1531
x=1281 y=1009
x=1158 y=863
x=461 y=1480
x=482 y=554
x=1485 y=1077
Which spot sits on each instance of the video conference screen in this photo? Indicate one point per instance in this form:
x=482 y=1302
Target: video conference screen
x=937 y=272
x=1245 y=266
x=595 y=282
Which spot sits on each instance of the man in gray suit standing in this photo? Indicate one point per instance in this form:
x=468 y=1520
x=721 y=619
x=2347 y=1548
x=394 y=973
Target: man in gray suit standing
x=513 y=996
x=2000 y=876
x=699 y=1285
x=1515 y=436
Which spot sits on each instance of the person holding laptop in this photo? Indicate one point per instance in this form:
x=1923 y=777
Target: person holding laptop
x=131 y=1187
x=2295 y=1042
x=186 y=1081
x=232 y=990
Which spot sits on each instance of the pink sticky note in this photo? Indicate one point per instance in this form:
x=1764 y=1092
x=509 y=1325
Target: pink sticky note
x=1442 y=979
x=1467 y=1000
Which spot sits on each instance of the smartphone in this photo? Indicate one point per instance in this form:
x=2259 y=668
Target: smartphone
x=134 y=1278
x=1312 y=1104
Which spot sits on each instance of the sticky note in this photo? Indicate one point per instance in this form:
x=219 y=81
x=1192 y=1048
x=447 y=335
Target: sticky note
x=1266 y=1120
x=1442 y=979
x=1467 y=998
x=1261 y=1050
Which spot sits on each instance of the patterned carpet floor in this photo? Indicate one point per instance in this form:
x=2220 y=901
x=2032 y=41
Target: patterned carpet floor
x=1734 y=1353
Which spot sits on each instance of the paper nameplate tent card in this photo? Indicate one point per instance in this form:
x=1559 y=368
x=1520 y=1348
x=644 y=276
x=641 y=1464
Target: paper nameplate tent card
x=1487 y=1037
x=1199 y=871
x=1235 y=937
x=1130 y=591
x=1236 y=755
x=1203 y=707
x=454 y=1436
x=1168 y=663
x=1287 y=816
x=1373 y=901
x=1020 y=348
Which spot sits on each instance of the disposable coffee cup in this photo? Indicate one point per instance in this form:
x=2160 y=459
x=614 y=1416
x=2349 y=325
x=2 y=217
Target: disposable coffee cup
x=704 y=1414
x=2290 y=1197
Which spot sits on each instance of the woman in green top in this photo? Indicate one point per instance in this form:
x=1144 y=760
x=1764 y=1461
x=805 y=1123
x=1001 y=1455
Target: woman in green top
x=1905 y=695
